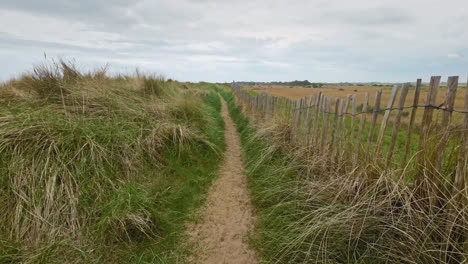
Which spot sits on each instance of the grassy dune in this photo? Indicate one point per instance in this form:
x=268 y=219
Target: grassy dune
x=311 y=212
x=99 y=169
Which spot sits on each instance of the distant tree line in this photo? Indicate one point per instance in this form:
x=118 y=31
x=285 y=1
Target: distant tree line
x=304 y=83
x=308 y=84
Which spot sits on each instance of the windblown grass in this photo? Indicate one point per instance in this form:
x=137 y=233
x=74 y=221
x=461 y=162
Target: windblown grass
x=93 y=167
x=310 y=211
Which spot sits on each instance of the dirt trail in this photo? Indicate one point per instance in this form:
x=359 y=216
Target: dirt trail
x=220 y=236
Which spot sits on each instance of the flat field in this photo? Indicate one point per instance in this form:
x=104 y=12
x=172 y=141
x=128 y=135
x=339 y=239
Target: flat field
x=341 y=91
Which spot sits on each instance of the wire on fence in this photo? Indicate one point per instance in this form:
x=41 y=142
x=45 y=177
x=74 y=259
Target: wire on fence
x=391 y=109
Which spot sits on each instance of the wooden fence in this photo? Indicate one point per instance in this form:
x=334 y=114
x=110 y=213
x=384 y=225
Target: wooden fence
x=436 y=148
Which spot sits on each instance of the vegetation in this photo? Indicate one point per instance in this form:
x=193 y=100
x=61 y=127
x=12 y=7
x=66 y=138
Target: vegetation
x=304 y=83
x=254 y=93
x=106 y=169
x=311 y=210
x=99 y=169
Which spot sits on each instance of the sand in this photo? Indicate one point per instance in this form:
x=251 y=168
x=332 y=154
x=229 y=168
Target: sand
x=227 y=217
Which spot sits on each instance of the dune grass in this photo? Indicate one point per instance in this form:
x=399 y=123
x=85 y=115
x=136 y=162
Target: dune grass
x=311 y=212
x=399 y=158
x=100 y=169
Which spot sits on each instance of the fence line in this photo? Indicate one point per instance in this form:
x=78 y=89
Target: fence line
x=326 y=125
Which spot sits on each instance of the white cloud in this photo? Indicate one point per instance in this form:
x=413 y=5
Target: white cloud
x=321 y=40
x=25 y=26
x=453 y=56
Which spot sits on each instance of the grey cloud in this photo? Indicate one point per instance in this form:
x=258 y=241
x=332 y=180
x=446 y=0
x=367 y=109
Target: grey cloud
x=100 y=13
x=264 y=39
x=371 y=16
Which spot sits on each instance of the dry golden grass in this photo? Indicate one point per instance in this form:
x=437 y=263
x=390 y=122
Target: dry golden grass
x=91 y=165
x=360 y=91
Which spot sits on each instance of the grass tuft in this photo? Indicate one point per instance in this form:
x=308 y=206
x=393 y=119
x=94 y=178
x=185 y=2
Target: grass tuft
x=95 y=167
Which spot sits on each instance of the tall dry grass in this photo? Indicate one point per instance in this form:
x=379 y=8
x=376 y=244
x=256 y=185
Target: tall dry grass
x=314 y=210
x=78 y=151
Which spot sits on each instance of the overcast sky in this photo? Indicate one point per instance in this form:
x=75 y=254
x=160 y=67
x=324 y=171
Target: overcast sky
x=225 y=40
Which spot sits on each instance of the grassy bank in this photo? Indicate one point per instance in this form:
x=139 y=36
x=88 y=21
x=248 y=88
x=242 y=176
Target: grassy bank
x=309 y=212
x=99 y=169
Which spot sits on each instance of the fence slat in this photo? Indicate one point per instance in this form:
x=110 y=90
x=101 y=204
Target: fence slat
x=302 y=118
x=336 y=101
x=317 y=118
x=325 y=122
x=452 y=85
x=375 y=113
x=351 y=135
x=336 y=128
x=461 y=177
x=383 y=126
x=310 y=117
x=295 y=120
x=426 y=125
x=362 y=122
x=417 y=91
x=344 y=126
x=396 y=126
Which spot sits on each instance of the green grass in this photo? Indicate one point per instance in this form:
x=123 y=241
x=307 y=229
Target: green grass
x=189 y=175
x=251 y=92
x=98 y=169
x=309 y=212
x=398 y=157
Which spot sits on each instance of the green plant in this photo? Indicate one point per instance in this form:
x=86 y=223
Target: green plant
x=311 y=211
x=96 y=168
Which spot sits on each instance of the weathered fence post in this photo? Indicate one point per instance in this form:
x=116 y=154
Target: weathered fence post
x=362 y=121
x=417 y=91
x=344 y=127
x=383 y=126
x=396 y=126
x=426 y=126
x=326 y=119
x=295 y=120
x=317 y=118
x=352 y=141
x=333 y=140
x=375 y=114
x=461 y=175
x=338 y=130
x=452 y=85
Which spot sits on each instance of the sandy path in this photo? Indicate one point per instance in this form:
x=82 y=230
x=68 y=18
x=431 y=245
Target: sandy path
x=220 y=236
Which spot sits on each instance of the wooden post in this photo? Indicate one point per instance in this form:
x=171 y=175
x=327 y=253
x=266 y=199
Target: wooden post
x=343 y=123
x=363 y=119
x=351 y=135
x=383 y=126
x=452 y=85
x=426 y=125
x=411 y=122
x=338 y=130
x=396 y=126
x=326 y=117
x=317 y=118
x=309 y=118
x=461 y=176
x=300 y=126
x=322 y=106
x=292 y=109
x=295 y=120
x=333 y=144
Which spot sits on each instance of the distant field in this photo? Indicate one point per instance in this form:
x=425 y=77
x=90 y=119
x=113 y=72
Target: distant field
x=297 y=92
